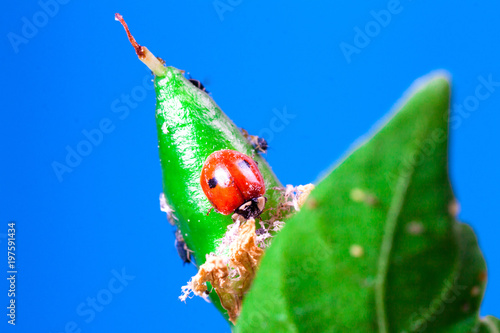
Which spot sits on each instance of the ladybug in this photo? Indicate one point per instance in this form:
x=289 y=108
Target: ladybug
x=233 y=183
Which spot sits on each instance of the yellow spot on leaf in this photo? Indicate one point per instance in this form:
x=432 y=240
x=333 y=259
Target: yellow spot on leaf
x=358 y=195
x=356 y=251
x=415 y=228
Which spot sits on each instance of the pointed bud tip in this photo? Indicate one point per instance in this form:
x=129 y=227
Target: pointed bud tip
x=142 y=52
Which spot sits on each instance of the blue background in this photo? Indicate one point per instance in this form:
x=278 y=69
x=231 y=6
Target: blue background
x=77 y=68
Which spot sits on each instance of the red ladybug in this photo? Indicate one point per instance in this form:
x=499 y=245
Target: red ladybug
x=232 y=183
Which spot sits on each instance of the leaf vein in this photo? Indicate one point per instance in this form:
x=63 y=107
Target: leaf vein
x=491 y=325
x=386 y=247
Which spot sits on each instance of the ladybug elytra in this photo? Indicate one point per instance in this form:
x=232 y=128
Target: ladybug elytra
x=233 y=183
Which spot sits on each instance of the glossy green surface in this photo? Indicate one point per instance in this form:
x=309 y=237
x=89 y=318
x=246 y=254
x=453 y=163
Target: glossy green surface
x=191 y=127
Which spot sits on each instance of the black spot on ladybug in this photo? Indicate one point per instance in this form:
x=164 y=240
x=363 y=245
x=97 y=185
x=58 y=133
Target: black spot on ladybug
x=212 y=182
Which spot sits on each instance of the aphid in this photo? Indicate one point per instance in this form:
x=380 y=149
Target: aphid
x=260 y=144
x=198 y=85
x=164 y=207
x=233 y=183
x=182 y=249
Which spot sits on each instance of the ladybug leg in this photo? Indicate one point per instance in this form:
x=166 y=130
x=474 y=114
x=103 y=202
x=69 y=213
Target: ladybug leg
x=210 y=210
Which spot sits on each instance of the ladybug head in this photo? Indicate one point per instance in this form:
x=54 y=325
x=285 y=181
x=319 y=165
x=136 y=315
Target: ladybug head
x=252 y=208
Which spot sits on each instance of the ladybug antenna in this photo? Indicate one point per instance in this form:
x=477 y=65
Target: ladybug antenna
x=143 y=53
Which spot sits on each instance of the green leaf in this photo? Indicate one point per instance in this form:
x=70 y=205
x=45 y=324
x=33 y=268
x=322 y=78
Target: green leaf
x=376 y=248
